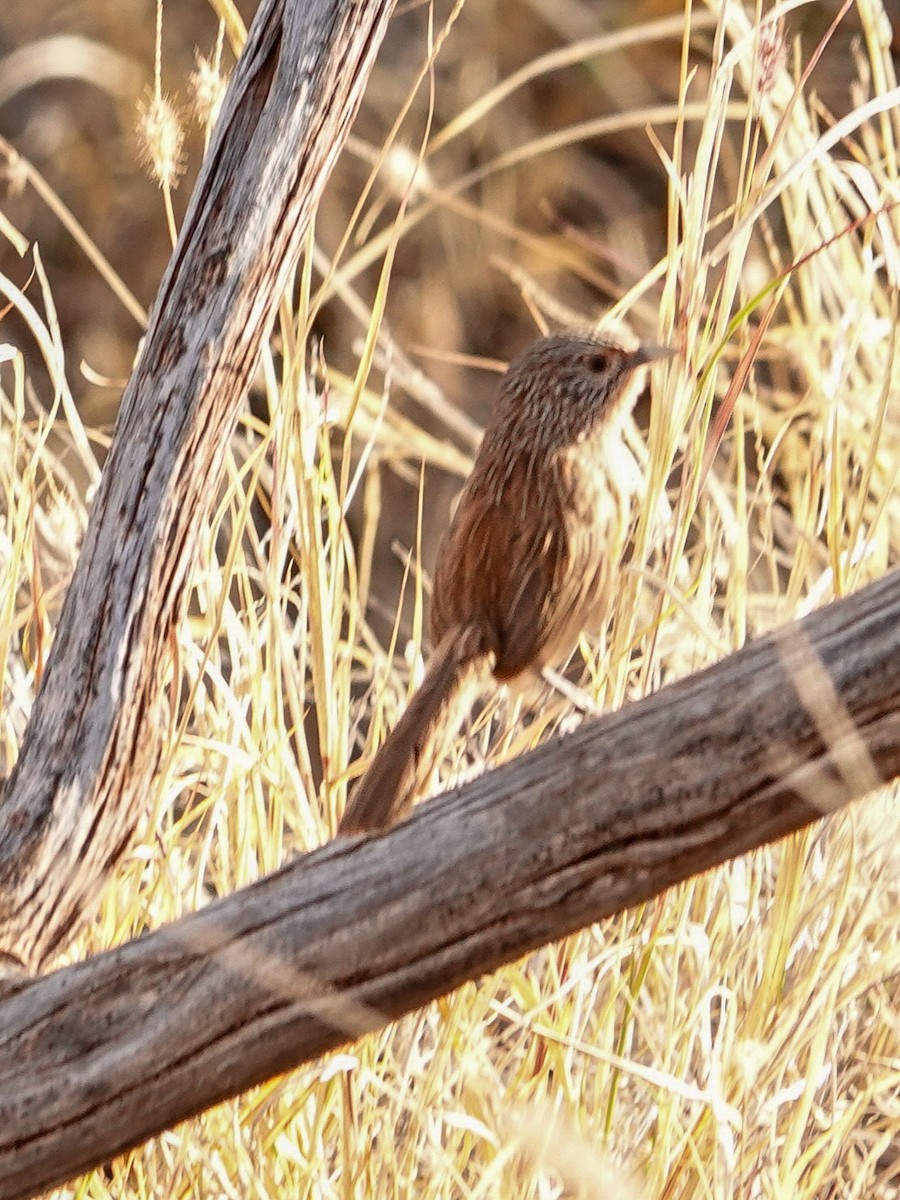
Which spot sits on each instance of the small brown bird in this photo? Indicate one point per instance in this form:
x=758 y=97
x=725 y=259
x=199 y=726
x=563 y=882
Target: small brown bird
x=533 y=553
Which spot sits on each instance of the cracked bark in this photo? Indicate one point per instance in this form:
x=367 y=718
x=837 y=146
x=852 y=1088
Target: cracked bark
x=97 y=1057
x=70 y=806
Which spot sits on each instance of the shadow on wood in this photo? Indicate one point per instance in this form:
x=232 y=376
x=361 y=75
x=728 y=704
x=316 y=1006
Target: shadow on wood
x=97 y=1057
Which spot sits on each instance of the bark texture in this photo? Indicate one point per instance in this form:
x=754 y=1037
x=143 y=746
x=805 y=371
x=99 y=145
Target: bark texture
x=99 y=1056
x=70 y=807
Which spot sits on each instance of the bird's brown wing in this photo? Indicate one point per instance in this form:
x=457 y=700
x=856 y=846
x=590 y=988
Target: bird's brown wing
x=497 y=567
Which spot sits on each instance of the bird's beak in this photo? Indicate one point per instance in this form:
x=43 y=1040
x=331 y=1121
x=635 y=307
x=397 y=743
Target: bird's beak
x=648 y=353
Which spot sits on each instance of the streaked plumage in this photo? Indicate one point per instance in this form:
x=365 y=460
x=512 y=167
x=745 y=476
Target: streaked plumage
x=532 y=554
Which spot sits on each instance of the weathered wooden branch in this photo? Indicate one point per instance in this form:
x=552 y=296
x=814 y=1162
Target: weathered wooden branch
x=70 y=807
x=99 y=1056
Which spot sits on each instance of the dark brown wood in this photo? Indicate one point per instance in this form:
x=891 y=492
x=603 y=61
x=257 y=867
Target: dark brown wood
x=70 y=807
x=99 y=1056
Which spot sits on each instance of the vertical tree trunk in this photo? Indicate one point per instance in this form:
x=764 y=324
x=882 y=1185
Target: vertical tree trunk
x=70 y=807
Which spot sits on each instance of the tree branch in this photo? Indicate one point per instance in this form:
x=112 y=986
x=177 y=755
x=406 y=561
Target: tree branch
x=70 y=806
x=99 y=1056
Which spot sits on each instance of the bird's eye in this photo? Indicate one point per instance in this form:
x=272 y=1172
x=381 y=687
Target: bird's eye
x=596 y=363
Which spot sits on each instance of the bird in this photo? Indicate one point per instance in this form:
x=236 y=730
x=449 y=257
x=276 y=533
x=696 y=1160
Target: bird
x=532 y=556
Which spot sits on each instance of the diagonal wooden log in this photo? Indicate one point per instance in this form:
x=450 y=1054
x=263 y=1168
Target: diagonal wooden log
x=70 y=806
x=96 y=1057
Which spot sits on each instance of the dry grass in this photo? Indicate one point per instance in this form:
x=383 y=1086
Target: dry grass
x=741 y=1035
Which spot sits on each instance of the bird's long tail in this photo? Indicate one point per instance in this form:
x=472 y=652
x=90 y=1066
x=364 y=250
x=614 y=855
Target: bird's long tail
x=401 y=767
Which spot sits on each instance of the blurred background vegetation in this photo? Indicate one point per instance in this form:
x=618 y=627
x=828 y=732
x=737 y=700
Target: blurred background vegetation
x=582 y=219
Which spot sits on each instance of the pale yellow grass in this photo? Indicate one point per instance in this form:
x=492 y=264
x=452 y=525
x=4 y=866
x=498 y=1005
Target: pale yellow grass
x=740 y=1036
